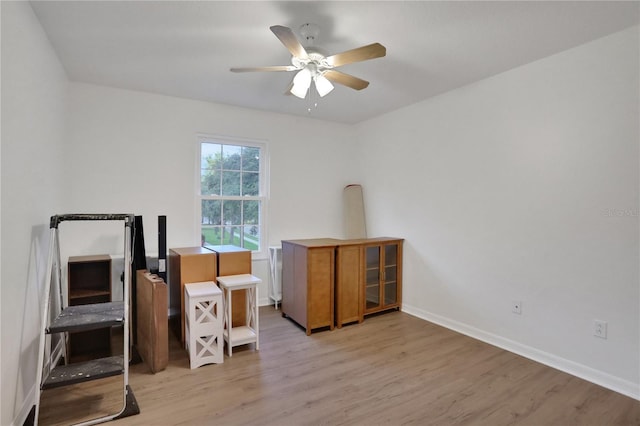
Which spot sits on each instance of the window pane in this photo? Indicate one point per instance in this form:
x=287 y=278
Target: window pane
x=232 y=235
x=211 y=210
x=251 y=237
x=390 y=254
x=210 y=165
x=230 y=183
x=372 y=296
x=250 y=183
x=210 y=155
x=250 y=158
x=232 y=212
x=390 y=294
x=210 y=182
x=251 y=214
x=373 y=257
x=231 y=157
x=211 y=235
x=390 y=274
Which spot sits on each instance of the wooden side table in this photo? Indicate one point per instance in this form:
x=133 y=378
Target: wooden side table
x=248 y=333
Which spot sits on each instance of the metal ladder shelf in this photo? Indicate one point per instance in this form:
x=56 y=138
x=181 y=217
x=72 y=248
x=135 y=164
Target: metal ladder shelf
x=84 y=318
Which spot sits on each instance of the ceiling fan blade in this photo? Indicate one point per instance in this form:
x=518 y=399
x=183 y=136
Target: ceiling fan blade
x=274 y=68
x=346 y=79
x=288 y=38
x=371 y=51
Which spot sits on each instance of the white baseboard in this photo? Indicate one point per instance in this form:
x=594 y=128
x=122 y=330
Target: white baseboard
x=592 y=375
x=266 y=301
x=30 y=399
x=27 y=404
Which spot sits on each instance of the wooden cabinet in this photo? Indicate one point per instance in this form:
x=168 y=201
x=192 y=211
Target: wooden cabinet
x=348 y=293
x=327 y=281
x=188 y=265
x=308 y=268
x=382 y=262
x=89 y=281
x=233 y=260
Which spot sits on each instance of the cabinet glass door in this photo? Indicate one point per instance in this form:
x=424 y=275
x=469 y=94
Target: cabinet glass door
x=372 y=277
x=390 y=276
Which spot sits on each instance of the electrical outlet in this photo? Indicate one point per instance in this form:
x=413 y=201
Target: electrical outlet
x=516 y=307
x=600 y=329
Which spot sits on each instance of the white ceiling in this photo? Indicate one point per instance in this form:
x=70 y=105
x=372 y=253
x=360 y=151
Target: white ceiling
x=186 y=48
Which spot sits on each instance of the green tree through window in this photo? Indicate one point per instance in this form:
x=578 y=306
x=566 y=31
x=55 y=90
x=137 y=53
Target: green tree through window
x=231 y=194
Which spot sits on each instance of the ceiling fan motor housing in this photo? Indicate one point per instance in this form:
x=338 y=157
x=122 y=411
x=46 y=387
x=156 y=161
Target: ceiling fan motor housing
x=314 y=59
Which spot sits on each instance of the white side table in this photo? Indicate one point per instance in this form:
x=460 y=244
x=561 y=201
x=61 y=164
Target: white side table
x=248 y=333
x=203 y=323
x=275 y=265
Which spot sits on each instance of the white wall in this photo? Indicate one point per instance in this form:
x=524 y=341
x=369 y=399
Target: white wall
x=136 y=152
x=522 y=187
x=34 y=96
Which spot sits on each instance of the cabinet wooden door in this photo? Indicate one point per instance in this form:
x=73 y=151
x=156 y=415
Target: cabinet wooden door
x=382 y=276
x=347 y=291
x=320 y=288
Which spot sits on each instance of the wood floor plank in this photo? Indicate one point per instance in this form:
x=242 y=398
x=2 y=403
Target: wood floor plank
x=392 y=369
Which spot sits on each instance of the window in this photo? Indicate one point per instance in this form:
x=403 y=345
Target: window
x=232 y=193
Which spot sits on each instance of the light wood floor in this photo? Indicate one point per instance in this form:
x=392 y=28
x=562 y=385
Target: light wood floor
x=392 y=369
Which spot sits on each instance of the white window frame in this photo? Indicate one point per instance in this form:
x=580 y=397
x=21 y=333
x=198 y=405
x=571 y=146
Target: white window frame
x=263 y=197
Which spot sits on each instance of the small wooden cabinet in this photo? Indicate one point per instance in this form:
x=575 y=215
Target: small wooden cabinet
x=233 y=260
x=308 y=282
x=382 y=263
x=89 y=281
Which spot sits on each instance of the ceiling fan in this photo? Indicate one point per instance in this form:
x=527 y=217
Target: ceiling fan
x=311 y=65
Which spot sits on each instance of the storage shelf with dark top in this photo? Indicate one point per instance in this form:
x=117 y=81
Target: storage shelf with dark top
x=89 y=279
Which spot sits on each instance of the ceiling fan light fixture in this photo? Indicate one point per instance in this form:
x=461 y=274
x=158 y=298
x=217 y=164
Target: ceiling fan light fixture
x=323 y=85
x=301 y=83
